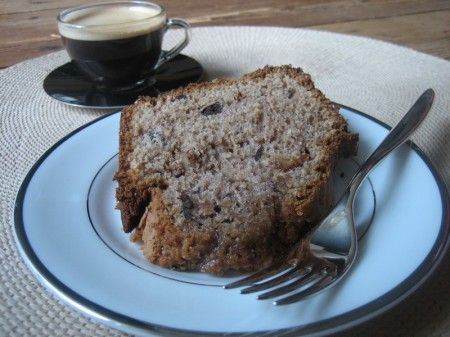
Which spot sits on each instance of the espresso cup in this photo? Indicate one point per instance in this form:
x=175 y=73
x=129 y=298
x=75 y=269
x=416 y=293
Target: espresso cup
x=118 y=44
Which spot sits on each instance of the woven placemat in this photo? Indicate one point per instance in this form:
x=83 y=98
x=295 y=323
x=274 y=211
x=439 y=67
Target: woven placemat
x=378 y=78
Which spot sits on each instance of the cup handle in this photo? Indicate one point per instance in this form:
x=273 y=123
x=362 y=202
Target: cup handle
x=168 y=55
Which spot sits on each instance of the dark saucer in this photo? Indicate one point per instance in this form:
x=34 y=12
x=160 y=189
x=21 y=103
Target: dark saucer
x=69 y=86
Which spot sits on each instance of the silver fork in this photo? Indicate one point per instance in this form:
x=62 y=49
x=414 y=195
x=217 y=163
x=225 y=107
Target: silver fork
x=320 y=260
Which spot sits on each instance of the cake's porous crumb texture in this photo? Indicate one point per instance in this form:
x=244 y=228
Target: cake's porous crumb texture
x=229 y=174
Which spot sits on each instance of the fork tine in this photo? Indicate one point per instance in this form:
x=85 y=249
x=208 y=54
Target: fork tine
x=322 y=283
x=304 y=279
x=296 y=271
x=260 y=275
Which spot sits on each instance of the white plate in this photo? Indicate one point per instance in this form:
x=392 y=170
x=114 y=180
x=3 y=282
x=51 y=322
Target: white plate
x=68 y=233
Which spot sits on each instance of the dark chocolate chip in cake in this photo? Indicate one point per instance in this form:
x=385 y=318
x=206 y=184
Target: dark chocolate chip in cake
x=213 y=109
x=187 y=205
x=259 y=153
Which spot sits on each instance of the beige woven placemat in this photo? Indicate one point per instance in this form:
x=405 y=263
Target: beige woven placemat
x=380 y=79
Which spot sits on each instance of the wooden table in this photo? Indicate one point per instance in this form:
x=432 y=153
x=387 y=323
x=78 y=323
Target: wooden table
x=29 y=29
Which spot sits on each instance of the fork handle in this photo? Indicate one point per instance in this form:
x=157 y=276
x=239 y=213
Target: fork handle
x=397 y=136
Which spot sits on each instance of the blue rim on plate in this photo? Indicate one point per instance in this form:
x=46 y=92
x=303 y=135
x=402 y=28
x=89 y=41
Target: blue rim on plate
x=334 y=324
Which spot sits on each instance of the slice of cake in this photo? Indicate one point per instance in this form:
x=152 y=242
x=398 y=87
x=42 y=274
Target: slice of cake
x=229 y=174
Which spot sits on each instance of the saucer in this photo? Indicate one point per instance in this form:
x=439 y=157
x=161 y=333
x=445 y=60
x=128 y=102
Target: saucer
x=68 y=85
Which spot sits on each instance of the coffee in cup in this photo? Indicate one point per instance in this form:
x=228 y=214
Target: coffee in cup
x=118 y=44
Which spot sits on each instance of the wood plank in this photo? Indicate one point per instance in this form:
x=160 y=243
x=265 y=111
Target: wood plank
x=375 y=8
x=299 y=14
x=427 y=32
x=173 y=6
x=28 y=6
x=15 y=53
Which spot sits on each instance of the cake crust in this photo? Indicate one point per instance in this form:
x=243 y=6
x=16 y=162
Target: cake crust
x=182 y=230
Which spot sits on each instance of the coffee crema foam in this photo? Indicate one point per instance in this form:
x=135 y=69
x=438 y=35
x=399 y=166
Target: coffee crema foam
x=111 y=23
